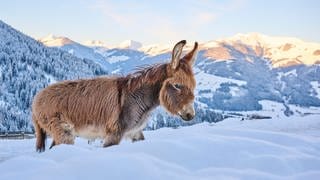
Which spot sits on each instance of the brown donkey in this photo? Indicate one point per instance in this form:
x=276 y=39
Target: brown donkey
x=113 y=108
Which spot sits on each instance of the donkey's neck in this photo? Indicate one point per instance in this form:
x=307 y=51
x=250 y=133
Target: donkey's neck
x=147 y=83
x=141 y=94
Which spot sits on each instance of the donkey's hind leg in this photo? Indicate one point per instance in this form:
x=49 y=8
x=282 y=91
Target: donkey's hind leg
x=138 y=137
x=61 y=131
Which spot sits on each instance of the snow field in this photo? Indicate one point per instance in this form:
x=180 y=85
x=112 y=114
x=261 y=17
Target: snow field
x=232 y=149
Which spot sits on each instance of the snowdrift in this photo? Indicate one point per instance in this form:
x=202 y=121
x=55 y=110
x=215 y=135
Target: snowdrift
x=227 y=150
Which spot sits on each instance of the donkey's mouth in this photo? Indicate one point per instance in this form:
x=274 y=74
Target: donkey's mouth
x=186 y=117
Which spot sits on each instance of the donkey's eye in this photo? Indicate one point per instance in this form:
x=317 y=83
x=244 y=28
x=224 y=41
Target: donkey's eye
x=177 y=86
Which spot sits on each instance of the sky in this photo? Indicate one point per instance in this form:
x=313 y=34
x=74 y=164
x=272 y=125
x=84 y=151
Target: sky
x=165 y=21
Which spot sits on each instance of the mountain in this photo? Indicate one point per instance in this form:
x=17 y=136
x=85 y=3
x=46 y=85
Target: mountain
x=156 y=49
x=129 y=44
x=281 y=51
x=77 y=49
x=259 y=68
x=97 y=46
x=95 y=43
x=56 y=41
x=26 y=66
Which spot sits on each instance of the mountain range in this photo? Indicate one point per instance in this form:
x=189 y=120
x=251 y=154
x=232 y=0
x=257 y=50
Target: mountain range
x=233 y=74
x=281 y=51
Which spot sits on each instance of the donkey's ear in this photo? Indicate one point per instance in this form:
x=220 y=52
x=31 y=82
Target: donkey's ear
x=176 y=53
x=192 y=55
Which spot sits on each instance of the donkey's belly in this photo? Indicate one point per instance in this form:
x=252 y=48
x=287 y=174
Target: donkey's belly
x=90 y=132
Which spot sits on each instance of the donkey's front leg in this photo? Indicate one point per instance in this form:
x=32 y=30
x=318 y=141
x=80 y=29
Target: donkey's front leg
x=138 y=136
x=112 y=139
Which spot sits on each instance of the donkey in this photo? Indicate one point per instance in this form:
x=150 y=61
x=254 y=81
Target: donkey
x=113 y=108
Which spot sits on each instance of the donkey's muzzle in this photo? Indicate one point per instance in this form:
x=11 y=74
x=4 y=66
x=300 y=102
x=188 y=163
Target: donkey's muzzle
x=187 y=112
x=187 y=117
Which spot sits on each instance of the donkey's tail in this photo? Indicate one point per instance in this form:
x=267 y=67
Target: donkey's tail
x=41 y=137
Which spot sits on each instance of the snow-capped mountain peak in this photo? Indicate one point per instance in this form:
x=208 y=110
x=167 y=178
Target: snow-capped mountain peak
x=155 y=49
x=255 y=38
x=281 y=51
x=129 y=44
x=55 y=41
x=95 y=43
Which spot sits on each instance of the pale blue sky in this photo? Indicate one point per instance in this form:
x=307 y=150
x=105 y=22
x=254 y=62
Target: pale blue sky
x=165 y=21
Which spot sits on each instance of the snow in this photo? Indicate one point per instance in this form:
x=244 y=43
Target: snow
x=50 y=78
x=117 y=71
x=116 y=59
x=279 y=78
x=210 y=44
x=55 y=41
x=212 y=82
x=109 y=53
x=71 y=51
x=129 y=44
x=2 y=103
x=292 y=72
x=274 y=47
x=306 y=121
x=316 y=86
x=236 y=91
x=156 y=49
x=232 y=149
x=275 y=109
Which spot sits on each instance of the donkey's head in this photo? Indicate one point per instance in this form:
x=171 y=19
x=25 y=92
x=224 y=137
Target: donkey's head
x=176 y=93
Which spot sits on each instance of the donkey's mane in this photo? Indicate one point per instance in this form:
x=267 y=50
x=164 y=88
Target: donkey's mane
x=144 y=75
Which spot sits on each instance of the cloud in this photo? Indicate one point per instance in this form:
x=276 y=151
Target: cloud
x=111 y=11
x=163 y=20
x=143 y=19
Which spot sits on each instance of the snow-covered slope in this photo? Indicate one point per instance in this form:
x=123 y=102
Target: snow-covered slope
x=231 y=149
x=77 y=49
x=26 y=66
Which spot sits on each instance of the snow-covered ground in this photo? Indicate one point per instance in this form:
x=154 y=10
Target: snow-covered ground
x=278 y=148
x=115 y=59
x=211 y=82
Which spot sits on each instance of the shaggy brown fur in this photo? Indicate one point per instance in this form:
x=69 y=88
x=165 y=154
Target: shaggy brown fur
x=113 y=108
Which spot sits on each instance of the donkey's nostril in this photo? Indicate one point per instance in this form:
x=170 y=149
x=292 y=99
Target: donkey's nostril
x=189 y=116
